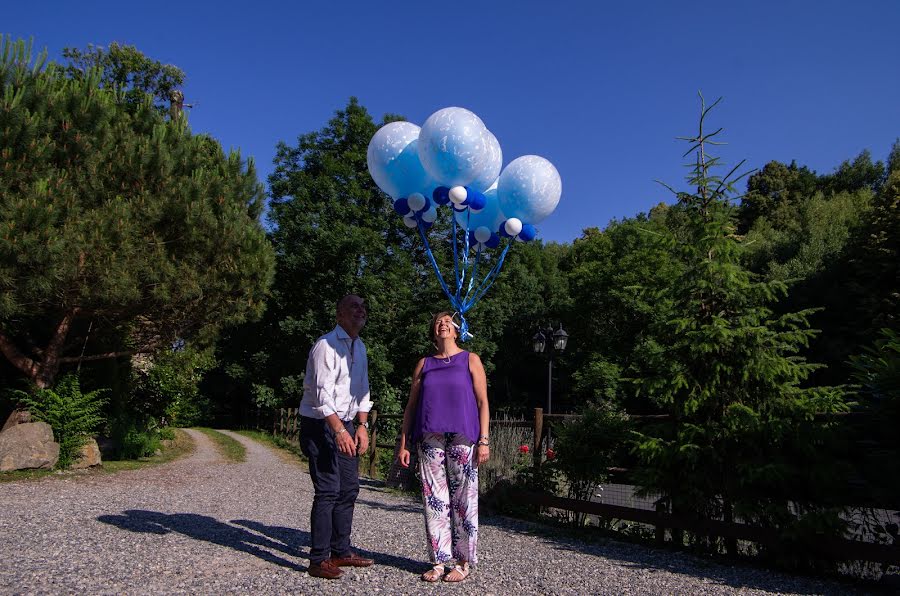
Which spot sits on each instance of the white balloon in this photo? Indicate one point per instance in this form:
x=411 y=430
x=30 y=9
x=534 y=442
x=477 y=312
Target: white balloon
x=458 y=194
x=430 y=215
x=529 y=188
x=416 y=201
x=410 y=222
x=482 y=234
x=393 y=159
x=513 y=226
x=453 y=148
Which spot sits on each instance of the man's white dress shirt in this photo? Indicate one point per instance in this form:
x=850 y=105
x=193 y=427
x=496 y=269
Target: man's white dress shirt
x=337 y=377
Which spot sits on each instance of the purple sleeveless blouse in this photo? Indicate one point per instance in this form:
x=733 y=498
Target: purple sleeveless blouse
x=447 y=401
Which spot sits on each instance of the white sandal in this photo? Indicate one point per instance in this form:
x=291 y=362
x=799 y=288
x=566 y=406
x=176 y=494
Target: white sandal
x=461 y=571
x=434 y=574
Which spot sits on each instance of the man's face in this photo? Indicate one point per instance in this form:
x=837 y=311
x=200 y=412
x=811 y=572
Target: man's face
x=351 y=313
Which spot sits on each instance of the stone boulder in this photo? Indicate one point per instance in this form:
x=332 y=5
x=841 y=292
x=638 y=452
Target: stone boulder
x=19 y=416
x=28 y=445
x=88 y=457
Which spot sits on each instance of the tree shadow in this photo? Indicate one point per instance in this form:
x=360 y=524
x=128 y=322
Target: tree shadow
x=209 y=529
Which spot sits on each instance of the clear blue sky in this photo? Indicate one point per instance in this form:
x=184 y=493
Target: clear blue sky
x=599 y=88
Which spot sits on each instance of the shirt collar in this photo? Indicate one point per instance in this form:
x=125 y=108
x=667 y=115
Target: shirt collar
x=341 y=333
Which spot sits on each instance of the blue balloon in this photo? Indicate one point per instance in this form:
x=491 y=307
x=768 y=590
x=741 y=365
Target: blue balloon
x=453 y=147
x=493 y=242
x=529 y=189
x=393 y=159
x=401 y=206
x=474 y=199
x=528 y=233
x=489 y=216
x=441 y=195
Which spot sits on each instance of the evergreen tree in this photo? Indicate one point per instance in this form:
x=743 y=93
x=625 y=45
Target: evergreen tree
x=120 y=231
x=743 y=441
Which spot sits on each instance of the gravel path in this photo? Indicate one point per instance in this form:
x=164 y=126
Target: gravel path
x=201 y=525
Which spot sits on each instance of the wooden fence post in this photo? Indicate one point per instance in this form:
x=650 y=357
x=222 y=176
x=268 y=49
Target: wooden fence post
x=373 y=442
x=538 y=434
x=660 y=529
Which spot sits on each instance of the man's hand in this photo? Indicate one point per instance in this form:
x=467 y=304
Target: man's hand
x=345 y=442
x=362 y=439
x=403 y=456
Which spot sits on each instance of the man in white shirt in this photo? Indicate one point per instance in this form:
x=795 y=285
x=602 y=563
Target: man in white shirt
x=335 y=390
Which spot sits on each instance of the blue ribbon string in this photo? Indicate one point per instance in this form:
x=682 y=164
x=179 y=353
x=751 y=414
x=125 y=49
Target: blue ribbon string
x=462 y=269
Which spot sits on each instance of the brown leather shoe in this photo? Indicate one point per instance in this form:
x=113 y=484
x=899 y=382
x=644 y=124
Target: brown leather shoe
x=351 y=560
x=326 y=569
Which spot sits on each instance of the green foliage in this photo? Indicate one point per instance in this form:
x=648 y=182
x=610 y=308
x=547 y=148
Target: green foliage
x=125 y=68
x=74 y=416
x=167 y=387
x=586 y=447
x=743 y=440
x=133 y=437
x=877 y=370
x=120 y=231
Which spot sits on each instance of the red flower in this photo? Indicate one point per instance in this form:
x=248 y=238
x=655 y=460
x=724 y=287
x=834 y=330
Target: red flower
x=523 y=449
x=551 y=454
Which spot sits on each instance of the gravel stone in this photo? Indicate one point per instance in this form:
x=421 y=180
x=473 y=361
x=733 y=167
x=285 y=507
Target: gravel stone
x=200 y=525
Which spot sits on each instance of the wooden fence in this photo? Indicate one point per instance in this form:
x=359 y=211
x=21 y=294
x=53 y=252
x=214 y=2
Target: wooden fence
x=286 y=425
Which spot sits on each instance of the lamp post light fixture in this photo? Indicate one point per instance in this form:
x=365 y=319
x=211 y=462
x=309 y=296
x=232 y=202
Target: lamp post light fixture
x=550 y=342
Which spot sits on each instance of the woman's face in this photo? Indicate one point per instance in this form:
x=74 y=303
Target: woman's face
x=444 y=328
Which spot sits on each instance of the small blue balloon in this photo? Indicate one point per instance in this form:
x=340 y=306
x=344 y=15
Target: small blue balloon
x=528 y=233
x=502 y=230
x=401 y=206
x=441 y=195
x=493 y=242
x=474 y=199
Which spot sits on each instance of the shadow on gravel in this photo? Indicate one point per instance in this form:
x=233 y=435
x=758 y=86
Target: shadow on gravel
x=209 y=529
x=636 y=556
x=405 y=507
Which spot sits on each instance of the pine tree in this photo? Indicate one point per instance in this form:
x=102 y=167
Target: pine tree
x=743 y=441
x=120 y=230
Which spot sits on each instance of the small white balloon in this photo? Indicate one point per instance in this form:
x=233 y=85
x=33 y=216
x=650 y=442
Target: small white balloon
x=513 y=226
x=416 y=201
x=482 y=234
x=410 y=222
x=458 y=194
x=430 y=215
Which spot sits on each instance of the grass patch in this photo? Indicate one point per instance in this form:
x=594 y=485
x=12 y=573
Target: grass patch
x=230 y=448
x=291 y=451
x=181 y=445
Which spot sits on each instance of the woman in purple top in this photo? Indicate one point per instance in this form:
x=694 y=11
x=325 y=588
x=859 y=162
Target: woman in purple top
x=447 y=419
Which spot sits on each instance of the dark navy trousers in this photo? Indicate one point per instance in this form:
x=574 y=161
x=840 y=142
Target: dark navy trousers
x=335 y=477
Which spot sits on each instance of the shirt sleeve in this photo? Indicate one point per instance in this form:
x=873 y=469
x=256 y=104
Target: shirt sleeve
x=324 y=370
x=365 y=403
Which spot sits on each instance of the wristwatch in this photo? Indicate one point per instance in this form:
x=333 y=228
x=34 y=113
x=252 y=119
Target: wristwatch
x=365 y=424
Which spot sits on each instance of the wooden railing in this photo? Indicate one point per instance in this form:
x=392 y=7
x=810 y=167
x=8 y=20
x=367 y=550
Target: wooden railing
x=286 y=425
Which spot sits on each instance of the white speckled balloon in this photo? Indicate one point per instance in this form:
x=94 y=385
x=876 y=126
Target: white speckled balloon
x=393 y=159
x=495 y=162
x=529 y=188
x=453 y=148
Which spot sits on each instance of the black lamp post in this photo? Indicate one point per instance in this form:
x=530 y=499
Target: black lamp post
x=550 y=342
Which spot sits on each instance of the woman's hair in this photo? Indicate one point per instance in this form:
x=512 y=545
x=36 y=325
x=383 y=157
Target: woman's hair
x=435 y=319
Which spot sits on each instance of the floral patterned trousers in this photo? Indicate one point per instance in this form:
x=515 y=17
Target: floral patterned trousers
x=449 y=477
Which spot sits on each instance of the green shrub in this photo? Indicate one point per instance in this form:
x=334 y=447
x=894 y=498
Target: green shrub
x=74 y=416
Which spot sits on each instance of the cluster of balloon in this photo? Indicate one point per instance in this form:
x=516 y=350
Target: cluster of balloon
x=454 y=160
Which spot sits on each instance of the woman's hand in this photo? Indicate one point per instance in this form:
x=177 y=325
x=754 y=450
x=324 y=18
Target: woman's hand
x=403 y=457
x=483 y=454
